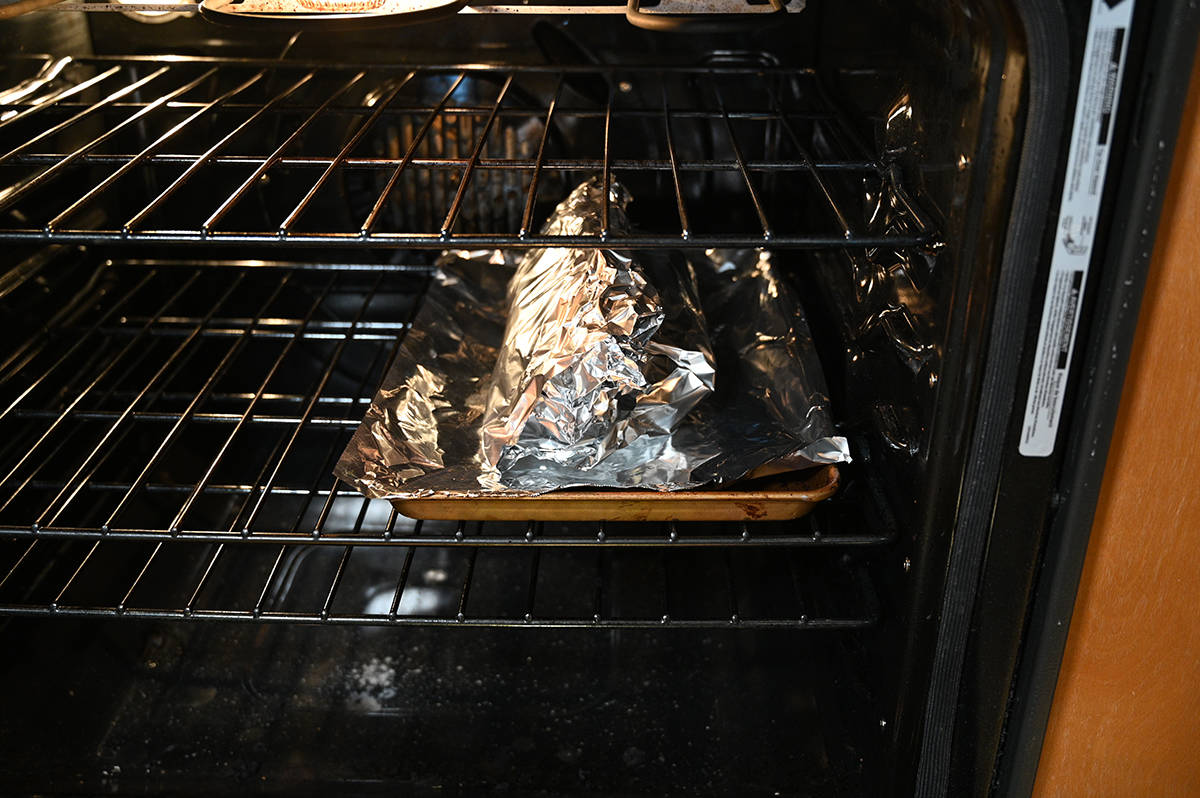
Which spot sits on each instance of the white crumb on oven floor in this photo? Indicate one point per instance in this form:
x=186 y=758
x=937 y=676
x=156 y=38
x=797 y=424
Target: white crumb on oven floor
x=372 y=684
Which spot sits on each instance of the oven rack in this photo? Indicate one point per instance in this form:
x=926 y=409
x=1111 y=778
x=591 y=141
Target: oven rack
x=224 y=151
x=413 y=586
x=207 y=401
x=150 y=7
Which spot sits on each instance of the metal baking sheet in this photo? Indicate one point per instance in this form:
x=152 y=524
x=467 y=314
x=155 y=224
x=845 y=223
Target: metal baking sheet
x=769 y=500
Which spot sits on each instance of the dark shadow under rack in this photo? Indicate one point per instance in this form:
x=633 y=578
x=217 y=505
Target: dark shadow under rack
x=137 y=149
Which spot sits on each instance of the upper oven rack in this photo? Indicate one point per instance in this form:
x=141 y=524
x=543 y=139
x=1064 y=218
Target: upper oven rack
x=245 y=151
x=152 y=9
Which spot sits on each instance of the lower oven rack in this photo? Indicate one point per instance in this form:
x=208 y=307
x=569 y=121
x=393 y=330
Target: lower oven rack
x=173 y=432
x=355 y=585
x=145 y=150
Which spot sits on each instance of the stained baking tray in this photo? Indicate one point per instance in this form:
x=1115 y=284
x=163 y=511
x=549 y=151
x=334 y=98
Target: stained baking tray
x=769 y=499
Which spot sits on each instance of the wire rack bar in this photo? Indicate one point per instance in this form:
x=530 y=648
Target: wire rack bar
x=411 y=155
x=728 y=67
x=54 y=99
x=97 y=6
x=741 y=164
x=540 y=162
x=332 y=619
x=233 y=107
x=770 y=538
x=437 y=241
x=473 y=161
x=685 y=227
x=453 y=163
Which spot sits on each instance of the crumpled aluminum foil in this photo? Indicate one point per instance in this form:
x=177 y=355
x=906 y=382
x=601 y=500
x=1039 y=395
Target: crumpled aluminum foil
x=599 y=352
x=590 y=368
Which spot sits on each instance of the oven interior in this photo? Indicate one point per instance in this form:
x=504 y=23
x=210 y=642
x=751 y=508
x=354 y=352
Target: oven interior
x=214 y=240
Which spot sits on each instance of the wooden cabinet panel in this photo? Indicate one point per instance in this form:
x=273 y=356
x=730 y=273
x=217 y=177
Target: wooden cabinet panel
x=1126 y=714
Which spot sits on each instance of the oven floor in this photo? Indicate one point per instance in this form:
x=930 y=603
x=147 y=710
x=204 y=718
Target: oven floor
x=125 y=707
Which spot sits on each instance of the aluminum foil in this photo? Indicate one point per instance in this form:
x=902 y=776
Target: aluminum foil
x=572 y=368
x=601 y=353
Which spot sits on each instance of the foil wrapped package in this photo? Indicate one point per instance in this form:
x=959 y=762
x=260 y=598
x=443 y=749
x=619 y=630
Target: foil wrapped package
x=600 y=354
x=567 y=367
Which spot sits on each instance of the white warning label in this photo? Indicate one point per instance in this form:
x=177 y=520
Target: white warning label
x=1087 y=164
